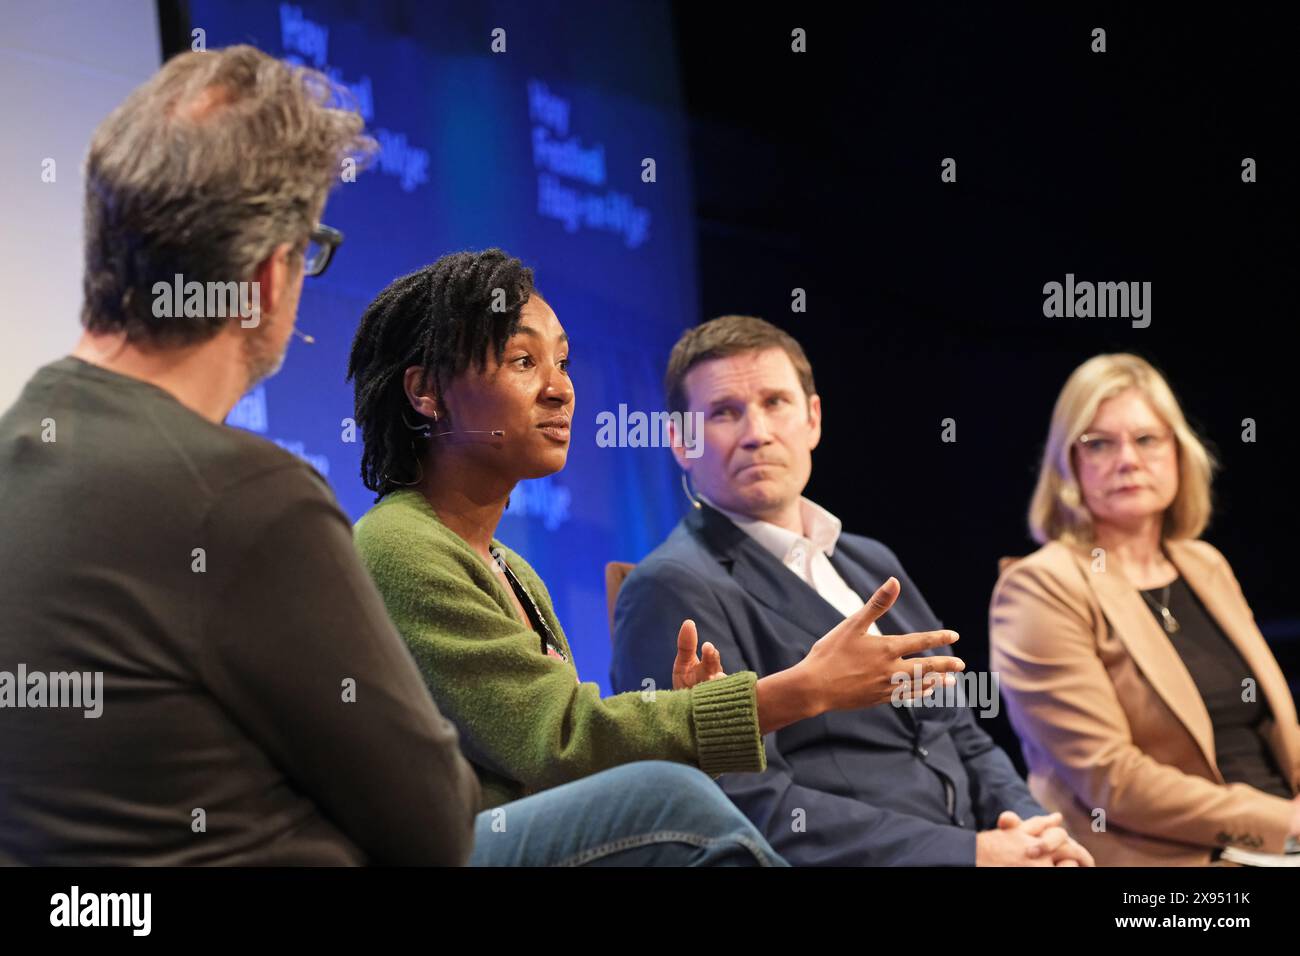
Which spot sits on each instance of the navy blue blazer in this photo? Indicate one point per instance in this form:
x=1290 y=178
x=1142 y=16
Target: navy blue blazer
x=879 y=786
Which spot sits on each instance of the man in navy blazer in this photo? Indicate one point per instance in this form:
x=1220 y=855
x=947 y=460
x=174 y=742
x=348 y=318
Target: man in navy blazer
x=764 y=572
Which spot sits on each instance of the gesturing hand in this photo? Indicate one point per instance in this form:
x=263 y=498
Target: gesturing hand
x=850 y=668
x=689 y=670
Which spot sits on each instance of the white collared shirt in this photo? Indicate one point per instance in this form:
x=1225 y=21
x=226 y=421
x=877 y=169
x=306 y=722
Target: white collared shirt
x=806 y=555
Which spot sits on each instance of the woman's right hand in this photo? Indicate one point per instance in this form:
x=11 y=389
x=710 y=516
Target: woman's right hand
x=850 y=668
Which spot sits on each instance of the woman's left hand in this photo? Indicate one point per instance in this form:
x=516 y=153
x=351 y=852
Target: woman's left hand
x=689 y=670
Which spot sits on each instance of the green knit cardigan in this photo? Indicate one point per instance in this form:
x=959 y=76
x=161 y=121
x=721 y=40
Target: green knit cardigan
x=526 y=722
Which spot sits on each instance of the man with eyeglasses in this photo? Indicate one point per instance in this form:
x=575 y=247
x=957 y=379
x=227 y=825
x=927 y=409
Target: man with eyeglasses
x=199 y=668
x=195 y=667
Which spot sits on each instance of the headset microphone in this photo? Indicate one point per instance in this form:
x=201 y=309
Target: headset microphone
x=494 y=433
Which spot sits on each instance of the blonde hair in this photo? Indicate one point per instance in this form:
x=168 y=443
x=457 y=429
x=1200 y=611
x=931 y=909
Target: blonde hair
x=1057 y=511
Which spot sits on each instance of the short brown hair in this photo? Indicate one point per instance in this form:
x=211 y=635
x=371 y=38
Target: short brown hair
x=203 y=170
x=725 y=336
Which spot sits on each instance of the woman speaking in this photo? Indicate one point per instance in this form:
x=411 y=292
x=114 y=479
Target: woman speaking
x=461 y=376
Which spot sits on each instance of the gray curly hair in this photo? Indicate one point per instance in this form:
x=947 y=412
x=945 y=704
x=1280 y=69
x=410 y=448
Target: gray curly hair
x=204 y=170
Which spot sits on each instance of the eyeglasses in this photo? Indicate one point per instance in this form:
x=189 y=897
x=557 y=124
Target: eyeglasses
x=320 y=249
x=1102 y=447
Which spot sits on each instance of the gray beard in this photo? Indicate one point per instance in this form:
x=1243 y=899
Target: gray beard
x=260 y=363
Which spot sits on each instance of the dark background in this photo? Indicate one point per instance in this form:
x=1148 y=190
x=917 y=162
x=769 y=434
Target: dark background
x=924 y=299
x=821 y=171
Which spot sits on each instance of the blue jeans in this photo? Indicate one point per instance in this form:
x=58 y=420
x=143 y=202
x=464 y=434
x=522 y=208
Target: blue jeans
x=650 y=813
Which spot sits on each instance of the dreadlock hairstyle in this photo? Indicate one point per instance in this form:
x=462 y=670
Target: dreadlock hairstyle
x=443 y=318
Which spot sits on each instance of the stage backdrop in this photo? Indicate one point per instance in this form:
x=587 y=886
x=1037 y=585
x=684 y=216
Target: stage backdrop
x=64 y=66
x=540 y=150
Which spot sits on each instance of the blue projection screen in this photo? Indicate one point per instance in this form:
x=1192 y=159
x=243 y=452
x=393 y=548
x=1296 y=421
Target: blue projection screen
x=538 y=149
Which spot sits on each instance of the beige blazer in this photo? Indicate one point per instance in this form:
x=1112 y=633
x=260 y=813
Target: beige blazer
x=1110 y=719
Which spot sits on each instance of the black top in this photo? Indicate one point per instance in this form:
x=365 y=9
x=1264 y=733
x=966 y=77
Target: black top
x=1219 y=671
x=249 y=669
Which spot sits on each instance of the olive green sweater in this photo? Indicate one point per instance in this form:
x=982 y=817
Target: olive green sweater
x=526 y=722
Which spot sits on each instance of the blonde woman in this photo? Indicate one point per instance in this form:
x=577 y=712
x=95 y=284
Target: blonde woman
x=1151 y=712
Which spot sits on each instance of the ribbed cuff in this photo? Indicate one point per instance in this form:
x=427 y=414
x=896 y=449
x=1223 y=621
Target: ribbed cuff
x=725 y=712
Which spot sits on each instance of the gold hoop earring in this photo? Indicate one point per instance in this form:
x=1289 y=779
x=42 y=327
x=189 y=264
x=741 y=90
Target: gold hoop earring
x=419 y=472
